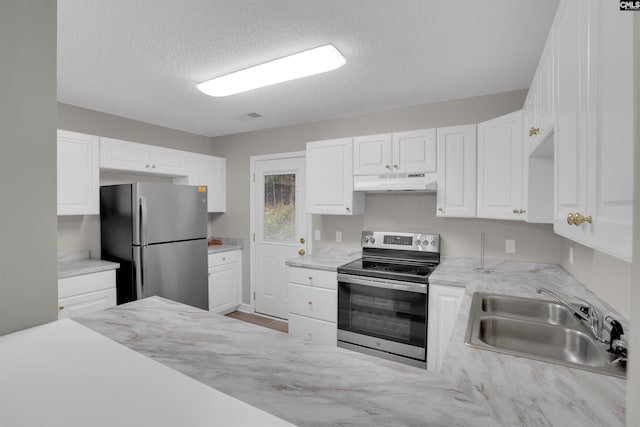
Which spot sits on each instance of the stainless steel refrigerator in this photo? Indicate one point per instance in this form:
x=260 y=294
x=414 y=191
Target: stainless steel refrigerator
x=158 y=234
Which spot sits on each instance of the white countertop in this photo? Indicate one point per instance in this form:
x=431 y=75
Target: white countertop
x=78 y=263
x=64 y=374
x=326 y=258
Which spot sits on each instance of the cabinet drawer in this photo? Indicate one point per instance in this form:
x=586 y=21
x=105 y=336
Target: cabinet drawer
x=316 y=303
x=77 y=285
x=313 y=277
x=222 y=258
x=317 y=331
x=80 y=305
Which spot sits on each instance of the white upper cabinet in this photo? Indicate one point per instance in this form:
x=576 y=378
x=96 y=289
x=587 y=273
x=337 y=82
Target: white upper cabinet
x=400 y=152
x=414 y=151
x=456 y=190
x=594 y=125
x=209 y=171
x=372 y=154
x=500 y=167
x=128 y=156
x=78 y=174
x=330 y=178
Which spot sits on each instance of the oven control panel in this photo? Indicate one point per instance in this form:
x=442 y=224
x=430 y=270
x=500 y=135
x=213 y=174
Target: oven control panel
x=403 y=241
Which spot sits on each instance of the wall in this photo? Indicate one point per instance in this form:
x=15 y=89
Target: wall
x=83 y=232
x=414 y=212
x=28 y=272
x=606 y=276
x=633 y=378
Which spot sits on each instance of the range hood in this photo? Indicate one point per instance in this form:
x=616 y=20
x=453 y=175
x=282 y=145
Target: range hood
x=395 y=182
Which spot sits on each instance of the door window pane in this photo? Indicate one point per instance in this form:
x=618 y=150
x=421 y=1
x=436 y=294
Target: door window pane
x=279 y=208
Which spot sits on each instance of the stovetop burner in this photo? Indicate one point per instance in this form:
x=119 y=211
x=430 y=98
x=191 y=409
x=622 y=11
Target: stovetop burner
x=406 y=257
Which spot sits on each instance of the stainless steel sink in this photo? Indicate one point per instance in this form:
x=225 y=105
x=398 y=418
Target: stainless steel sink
x=528 y=309
x=539 y=330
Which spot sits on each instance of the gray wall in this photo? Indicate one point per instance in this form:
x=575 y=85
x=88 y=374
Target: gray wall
x=633 y=378
x=83 y=232
x=28 y=278
x=408 y=211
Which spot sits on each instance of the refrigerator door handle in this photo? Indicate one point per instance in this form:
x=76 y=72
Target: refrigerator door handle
x=143 y=221
x=138 y=266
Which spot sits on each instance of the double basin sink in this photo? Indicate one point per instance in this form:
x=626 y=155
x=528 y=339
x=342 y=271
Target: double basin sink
x=539 y=330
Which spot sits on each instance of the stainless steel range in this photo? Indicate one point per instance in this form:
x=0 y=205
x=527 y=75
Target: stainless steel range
x=383 y=297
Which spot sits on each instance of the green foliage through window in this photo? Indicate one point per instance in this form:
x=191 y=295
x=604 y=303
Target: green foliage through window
x=280 y=208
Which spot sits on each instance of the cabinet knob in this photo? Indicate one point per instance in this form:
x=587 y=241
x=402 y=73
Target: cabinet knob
x=396 y=166
x=578 y=219
x=348 y=209
x=310 y=302
x=224 y=259
x=521 y=211
x=516 y=211
x=310 y=278
x=301 y=252
x=146 y=166
x=440 y=209
x=61 y=307
x=533 y=131
x=387 y=166
x=570 y=218
x=302 y=240
x=153 y=167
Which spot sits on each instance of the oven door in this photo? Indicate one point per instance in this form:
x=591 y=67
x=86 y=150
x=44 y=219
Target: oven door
x=384 y=315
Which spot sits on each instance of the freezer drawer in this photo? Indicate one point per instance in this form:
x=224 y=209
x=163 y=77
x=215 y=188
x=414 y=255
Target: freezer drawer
x=176 y=271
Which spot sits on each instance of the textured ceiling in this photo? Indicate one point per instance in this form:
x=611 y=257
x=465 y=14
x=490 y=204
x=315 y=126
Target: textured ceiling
x=142 y=59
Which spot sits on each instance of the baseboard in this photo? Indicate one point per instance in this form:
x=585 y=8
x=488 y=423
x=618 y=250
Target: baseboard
x=245 y=308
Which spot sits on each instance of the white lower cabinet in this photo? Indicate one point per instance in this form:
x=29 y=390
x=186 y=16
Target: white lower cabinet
x=313 y=304
x=225 y=281
x=86 y=293
x=444 y=303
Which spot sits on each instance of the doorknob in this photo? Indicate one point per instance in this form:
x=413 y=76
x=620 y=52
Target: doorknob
x=302 y=240
x=301 y=252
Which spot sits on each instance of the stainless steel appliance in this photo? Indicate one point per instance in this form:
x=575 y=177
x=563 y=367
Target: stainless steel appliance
x=158 y=234
x=383 y=297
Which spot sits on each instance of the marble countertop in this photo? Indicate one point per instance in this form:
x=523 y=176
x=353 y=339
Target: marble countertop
x=315 y=385
x=228 y=244
x=64 y=374
x=78 y=263
x=326 y=258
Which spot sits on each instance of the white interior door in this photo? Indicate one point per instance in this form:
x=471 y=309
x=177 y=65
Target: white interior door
x=280 y=229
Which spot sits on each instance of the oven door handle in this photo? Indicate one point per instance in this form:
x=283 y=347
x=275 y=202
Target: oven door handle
x=382 y=283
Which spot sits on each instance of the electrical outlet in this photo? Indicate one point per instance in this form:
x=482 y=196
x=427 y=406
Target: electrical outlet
x=317 y=235
x=570 y=255
x=338 y=236
x=510 y=246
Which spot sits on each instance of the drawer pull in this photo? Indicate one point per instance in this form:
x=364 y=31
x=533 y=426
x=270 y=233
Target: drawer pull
x=224 y=259
x=310 y=303
x=61 y=308
x=310 y=277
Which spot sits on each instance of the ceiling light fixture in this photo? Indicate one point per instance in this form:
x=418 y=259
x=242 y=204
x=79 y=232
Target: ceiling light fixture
x=307 y=63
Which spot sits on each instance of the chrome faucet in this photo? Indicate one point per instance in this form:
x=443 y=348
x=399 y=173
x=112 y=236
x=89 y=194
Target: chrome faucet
x=587 y=313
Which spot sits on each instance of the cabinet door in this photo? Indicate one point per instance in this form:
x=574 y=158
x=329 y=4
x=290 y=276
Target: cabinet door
x=224 y=286
x=78 y=174
x=372 y=154
x=121 y=155
x=444 y=303
x=545 y=90
x=330 y=178
x=571 y=132
x=610 y=166
x=456 y=190
x=165 y=161
x=500 y=167
x=209 y=171
x=414 y=151
x=80 y=305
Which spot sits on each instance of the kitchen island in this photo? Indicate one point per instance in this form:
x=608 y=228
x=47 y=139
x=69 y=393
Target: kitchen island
x=315 y=385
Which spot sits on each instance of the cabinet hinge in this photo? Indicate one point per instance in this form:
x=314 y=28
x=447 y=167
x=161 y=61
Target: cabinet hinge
x=254 y=237
x=254 y=296
x=254 y=177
